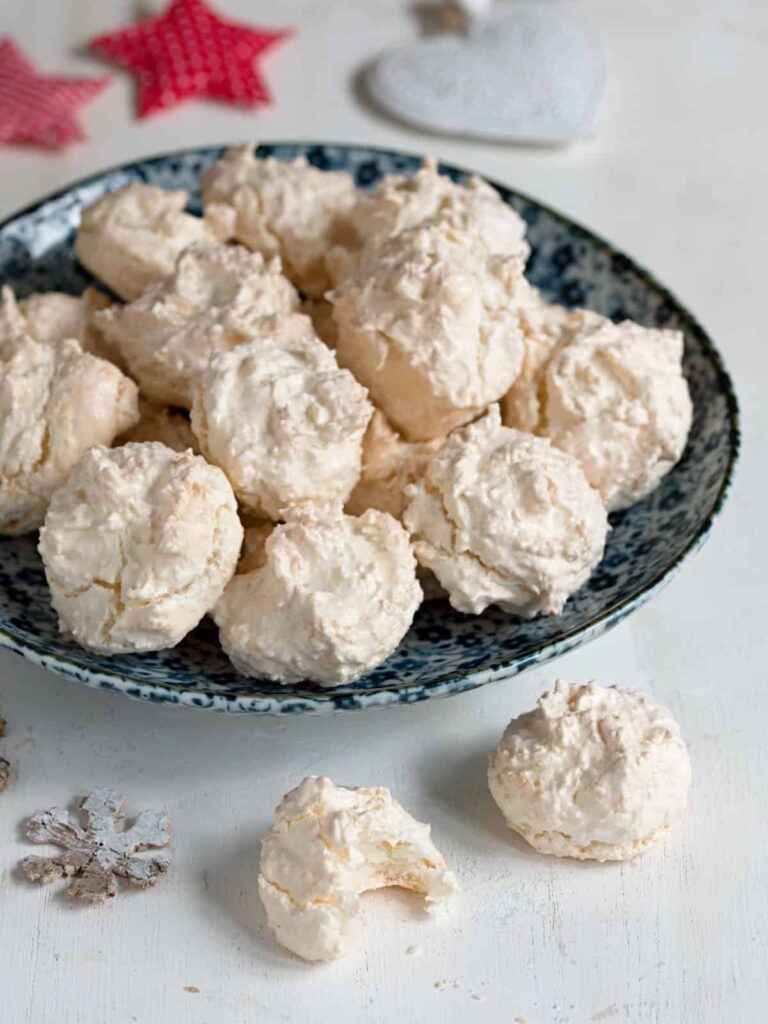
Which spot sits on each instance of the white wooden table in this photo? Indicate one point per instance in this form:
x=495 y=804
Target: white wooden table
x=676 y=175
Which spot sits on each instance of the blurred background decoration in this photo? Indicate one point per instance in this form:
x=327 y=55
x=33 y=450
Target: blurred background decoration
x=515 y=70
x=40 y=109
x=186 y=51
x=191 y=51
x=519 y=71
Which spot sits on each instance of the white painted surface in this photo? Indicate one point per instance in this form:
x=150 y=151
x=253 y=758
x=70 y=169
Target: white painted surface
x=676 y=175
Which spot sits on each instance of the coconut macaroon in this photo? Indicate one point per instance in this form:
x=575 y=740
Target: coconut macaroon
x=329 y=844
x=291 y=210
x=161 y=423
x=53 y=316
x=281 y=419
x=208 y=304
x=55 y=402
x=502 y=517
x=594 y=773
x=130 y=238
x=429 y=323
x=617 y=400
x=389 y=465
x=138 y=545
x=473 y=208
x=334 y=597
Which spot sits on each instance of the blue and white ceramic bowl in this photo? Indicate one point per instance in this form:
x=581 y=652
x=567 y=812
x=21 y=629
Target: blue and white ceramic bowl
x=444 y=652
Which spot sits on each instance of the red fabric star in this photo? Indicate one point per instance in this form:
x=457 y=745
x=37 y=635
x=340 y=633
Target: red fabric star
x=190 y=51
x=40 y=109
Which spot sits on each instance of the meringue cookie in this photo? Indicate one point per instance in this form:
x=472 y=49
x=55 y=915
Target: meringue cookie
x=617 y=400
x=594 y=773
x=429 y=323
x=389 y=465
x=130 y=238
x=473 y=209
x=159 y=423
x=291 y=210
x=54 y=316
x=55 y=402
x=208 y=304
x=502 y=517
x=328 y=845
x=281 y=419
x=334 y=598
x=138 y=545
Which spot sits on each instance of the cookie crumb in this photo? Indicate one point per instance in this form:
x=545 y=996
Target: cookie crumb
x=442 y=985
x=609 y=1011
x=192 y=988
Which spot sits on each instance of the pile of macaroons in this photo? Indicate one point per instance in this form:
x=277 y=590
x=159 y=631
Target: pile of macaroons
x=312 y=403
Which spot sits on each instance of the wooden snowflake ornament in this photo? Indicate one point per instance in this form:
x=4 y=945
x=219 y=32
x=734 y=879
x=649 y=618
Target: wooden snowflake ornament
x=96 y=854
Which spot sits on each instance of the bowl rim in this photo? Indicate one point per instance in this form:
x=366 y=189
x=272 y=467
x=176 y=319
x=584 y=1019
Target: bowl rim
x=390 y=694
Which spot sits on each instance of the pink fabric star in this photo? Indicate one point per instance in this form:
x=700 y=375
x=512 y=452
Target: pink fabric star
x=40 y=109
x=190 y=51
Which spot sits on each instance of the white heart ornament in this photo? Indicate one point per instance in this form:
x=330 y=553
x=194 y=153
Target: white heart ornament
x=533 y=73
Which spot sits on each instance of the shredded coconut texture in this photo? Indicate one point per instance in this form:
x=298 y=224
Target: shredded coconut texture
x=48 y=317
x=281 y=419
x=429 y=323
x=210 y=303
x=130 y=238
x=138 y=545
x=617 y=400
x=502 y=517
x=594 y=773
x=328 y=845
x=473 y=209
x=55 y=402
x=334 y=597
x=286 y=209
